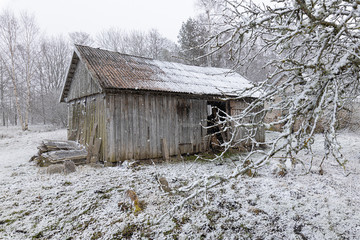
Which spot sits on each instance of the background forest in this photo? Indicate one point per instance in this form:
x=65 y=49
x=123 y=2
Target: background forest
x=33 y=65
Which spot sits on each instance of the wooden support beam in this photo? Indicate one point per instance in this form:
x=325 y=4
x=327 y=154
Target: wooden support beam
x=165 y=150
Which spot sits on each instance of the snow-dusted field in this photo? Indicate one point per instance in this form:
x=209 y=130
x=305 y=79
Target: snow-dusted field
x=87 y=204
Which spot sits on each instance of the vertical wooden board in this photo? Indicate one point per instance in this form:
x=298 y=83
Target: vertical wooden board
x=84 y=117
x=102 y=122
x=83 y=129
x=189 y=124
x=98 y=121
x=99 y=133
x=128 y=128
x=153 y=126
x=141 y=128
x=120 y=127
x=126 y=123
x=161 y=116
x=203 y=116
x=117 y=126
x=150 y=124
x=179 y=115
x=132 y=136
x=134 y=122
x=105 y=135
x=120 y=130
x=167 y=126
x=198 y=122
x=164 y=149
x=112 y=147
x=75 y=121
x=176 y=125
x=195 y=125
x=147 y=125
x=88 y=116
x=171 y=125
x=170 y=133
x=124 y=140
x=191 y=129
x=70 y=119
x=157 y=138
x=105 y=129
x=158 y=116
x=165 y=123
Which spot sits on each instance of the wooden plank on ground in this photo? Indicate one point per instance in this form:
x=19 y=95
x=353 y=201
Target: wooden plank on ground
x=53 y=145
x=77 y=156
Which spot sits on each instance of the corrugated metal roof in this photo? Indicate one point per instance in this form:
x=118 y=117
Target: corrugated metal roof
x=114 y=70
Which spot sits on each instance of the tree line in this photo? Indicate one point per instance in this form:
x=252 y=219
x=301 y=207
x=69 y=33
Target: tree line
x=33 y=66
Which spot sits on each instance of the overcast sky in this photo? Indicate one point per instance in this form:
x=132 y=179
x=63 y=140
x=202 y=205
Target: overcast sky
x=64 y=16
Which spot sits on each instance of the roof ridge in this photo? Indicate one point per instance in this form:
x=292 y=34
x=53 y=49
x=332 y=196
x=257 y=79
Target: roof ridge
x=112 y=51
x=152 y=59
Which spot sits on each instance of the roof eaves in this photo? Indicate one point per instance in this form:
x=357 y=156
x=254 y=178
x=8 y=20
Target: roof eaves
x=70 y=72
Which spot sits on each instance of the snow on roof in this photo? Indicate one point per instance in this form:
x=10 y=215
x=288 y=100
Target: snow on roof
x=114 y=70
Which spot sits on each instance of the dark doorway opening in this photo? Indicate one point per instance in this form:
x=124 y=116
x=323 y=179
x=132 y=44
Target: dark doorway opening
x=217 y=111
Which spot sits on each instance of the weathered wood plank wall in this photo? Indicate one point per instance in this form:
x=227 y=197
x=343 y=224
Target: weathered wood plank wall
x=83 y=115
x=82 y=84
x=134 y=126
x=139 y=122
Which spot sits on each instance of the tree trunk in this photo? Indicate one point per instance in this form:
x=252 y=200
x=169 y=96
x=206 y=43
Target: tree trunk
x=17 y=104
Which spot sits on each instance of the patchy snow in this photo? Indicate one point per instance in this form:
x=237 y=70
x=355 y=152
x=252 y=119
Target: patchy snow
x=88 y=204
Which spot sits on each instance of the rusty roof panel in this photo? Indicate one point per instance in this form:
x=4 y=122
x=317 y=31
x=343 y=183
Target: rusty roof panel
x=120 y=71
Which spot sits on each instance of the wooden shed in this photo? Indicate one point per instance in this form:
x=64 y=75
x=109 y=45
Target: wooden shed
x=143 y=108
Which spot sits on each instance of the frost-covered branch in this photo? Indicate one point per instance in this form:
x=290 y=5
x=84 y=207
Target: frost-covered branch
x=315 y=73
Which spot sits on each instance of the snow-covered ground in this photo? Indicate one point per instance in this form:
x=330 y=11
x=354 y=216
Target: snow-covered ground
x=89 y=204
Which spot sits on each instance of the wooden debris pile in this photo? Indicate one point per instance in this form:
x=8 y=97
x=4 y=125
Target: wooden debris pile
x=54 y=152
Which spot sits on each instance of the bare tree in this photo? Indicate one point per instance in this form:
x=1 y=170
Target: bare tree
x=137 y=43
x=211 y=10
x=81 y=38
x=3 y=88
x=55 y=53
x=9 y=31
x=112 y=39
x=29 y=52
x=156 y=43
x=51 y=68
x=160 y=47
x=147 y=44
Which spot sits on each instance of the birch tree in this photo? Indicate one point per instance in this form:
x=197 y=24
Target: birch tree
x=9 y=31
x=19 y=38
x=3 y=88
x=29 y=53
